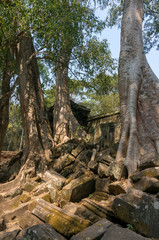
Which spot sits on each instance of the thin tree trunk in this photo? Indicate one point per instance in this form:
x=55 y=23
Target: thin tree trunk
x=139 y=95
x=4 y=101
x=37 y=133
x=65 y=125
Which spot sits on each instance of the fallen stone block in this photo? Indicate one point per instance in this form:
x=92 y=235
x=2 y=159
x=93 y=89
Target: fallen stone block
x=114 y=233
x=149 y=160
x=28 y=219
x=79 y=188
x=96 y=208
x=102 y=184
x=103 y=170
x=94 y=232
x=148 y=184
x=9 y=235
x=56 y=179
x=78 y=150
x=148 y=172
x=25 y=197
x=19 y=211
x=118 y=187
x=60 y=163
x=63 y=222
x=81 y=211
x=141 y=211
x=40 y=232
x=40 y=189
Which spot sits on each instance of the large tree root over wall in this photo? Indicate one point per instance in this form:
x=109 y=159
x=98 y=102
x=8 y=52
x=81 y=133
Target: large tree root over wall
x=139 y=95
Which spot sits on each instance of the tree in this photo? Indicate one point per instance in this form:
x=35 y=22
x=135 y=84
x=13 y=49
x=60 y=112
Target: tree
x=150 y=20
x=37 y=133
x=67 y=27
x=138 y=91
x=6 y=69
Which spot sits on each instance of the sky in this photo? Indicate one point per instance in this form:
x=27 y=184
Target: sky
x=113 y=37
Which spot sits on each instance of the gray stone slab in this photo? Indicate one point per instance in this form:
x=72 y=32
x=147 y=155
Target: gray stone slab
x=117 y=233
x=93 y=232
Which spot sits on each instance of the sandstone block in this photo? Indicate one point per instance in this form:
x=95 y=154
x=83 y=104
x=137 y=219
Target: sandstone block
x=93 y=232
x=56 y=179
x=102 y=184
x=114 y=232
x=40 y=232
x=149 y=172
x=141 y=211
x=79 y=188
x=63 y=222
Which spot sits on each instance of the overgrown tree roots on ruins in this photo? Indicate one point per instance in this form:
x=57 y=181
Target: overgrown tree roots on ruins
x=139 y=95
x=37 y=133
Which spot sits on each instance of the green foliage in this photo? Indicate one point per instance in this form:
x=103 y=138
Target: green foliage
x=150 y=21
x=14 y=131
x=101 y=95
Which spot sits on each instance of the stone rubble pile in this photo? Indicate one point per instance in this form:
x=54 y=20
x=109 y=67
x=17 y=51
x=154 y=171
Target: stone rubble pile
x=77 y=198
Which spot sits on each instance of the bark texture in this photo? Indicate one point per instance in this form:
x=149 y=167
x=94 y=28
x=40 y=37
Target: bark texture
x=65 y=125
x=37 y=133
x=5 y=95
x=138 y=89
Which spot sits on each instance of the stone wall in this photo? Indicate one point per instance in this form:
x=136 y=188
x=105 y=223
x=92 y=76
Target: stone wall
x=104 y=129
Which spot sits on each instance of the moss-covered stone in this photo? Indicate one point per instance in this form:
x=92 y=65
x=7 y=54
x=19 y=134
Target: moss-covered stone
x=25 y=197
x=79 y=188
x=63 y=222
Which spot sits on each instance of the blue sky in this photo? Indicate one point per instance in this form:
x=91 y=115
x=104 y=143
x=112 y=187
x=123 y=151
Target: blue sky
x=113 y=37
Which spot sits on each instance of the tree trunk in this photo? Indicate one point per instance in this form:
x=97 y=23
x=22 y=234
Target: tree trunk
x=65 y=125
x=138 y=90
x=37 y=133
x=4 y=101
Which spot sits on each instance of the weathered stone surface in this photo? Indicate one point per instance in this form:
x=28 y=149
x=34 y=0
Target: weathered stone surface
x=25 y=197
x=27 y=220
x=104 y=157
x=10 y=204
x=85 y=156
x=94 y=232
x=117 y=187
x=81 y=211
x=54 y=195
x=142 y=212
x=149 y=172
x=103 y=170
x=149 y=160
x=148 y=184
x=40 y=232
x=9 y=235
x=102 y=184
x=40 y=189
x=56 y=179
x=100 y=196
x=28 y=187
x=98 y=209
x=93 y=165
x=15 y=213
x=116 y=170
x=78 y=150
x=114 y=232
x=66 y=224
x=63 y=161
x=2 y=225
x=79 y=188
